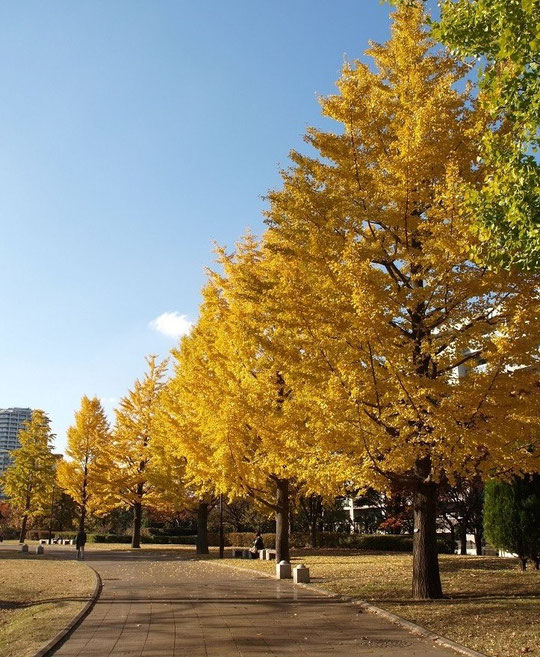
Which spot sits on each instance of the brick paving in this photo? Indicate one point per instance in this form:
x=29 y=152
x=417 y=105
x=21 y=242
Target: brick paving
x=163 y=605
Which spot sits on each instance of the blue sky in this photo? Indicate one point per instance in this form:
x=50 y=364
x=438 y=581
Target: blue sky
x=133 y=134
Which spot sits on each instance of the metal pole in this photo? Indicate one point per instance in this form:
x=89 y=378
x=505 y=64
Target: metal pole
x=221 y=534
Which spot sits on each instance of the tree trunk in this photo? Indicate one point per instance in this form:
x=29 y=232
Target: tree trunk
x=523 y=564
x=82 y=518
x=282 y=520
x=22 y=535
x=202 y=528
x=478 y=540
x=452 y=533
x=313 y=536
x=463 y=537
x=426 y=581
x=137 y=513
x=84 y=496
x=137 y=521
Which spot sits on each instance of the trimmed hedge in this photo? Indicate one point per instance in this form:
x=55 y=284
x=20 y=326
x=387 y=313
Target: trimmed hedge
x=384 y=542
x=108 y=538
x=10 y=533
x=375 y=542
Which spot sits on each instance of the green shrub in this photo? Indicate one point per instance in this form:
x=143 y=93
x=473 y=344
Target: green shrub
x=512 y=516
x=375 y=542
x=245 y=539
x=173 y=540
x=108 y=538
x=10 y=533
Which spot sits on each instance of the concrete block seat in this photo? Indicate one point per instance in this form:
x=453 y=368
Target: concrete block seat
x=245 y=553
x=240 y=553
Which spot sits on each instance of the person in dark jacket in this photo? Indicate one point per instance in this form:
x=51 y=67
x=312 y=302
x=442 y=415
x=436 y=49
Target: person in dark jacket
x=258 y=544
x=80 y=542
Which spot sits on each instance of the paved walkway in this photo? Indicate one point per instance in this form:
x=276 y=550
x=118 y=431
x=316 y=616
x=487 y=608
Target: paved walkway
x=163 y=605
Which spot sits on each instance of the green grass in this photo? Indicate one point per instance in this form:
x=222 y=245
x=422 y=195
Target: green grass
x=38 y=597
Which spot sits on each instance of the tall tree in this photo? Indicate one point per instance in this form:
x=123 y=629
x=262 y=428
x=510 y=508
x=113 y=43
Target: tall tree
x=376 y=271
x=29 y=479
x=83 y=477
x=229 y=395
x=131 y=475
x=178 y=427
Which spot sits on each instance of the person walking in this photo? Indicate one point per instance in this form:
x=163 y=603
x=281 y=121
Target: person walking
x=80 y=542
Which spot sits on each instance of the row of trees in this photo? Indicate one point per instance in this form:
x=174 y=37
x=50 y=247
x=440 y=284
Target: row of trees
x=511 y=509
x=361 y=342
x=329 y=353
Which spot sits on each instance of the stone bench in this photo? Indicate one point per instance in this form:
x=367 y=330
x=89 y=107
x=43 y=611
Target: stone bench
x=240 y=553
x=245 y=553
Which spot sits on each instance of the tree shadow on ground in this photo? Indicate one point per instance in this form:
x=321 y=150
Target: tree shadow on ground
x=457 y=599
x=477 y=563
x=6 y=605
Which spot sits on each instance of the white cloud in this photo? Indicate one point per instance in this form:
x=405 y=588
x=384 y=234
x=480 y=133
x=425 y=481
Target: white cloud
x=108 y=401
x=172 y=324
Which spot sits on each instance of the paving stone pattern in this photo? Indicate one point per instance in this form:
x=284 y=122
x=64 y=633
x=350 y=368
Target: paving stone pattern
x=165 y=606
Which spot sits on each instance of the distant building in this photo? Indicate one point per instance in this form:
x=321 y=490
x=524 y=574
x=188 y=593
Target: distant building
x=11 y=422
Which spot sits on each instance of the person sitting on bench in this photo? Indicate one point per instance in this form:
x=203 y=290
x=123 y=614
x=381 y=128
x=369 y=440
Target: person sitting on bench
x=258 y=544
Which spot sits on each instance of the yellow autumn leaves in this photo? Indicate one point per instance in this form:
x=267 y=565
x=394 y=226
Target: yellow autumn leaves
x=332 y=352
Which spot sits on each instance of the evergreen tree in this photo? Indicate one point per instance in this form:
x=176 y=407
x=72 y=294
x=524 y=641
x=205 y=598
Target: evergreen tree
x=512 y=517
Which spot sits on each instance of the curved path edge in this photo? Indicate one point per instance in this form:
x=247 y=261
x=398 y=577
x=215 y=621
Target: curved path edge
x=372 y=609
x=47 y=648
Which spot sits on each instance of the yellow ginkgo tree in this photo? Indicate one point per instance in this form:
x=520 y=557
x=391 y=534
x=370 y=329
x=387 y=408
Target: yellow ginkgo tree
x=370 y=236
x=140 y=472
x=230 y=393
x=181 y=443
x=29 y=480
x=84 y=475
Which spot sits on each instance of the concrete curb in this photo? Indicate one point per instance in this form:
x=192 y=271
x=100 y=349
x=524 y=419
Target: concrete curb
x=48 y=648
x=411 y=627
